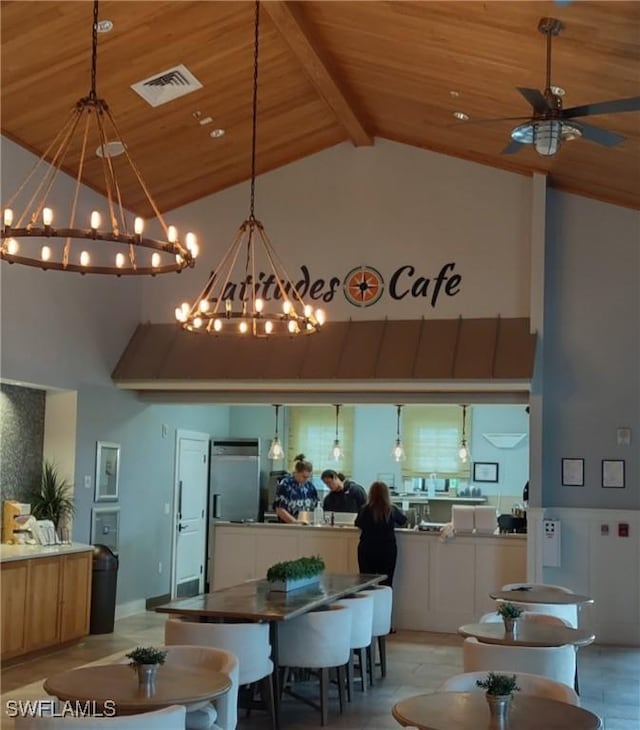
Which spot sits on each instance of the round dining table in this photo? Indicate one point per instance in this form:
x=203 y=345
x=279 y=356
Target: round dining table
x=115 y=687
x=470 y=711
x=528 y=633
x=541 y=595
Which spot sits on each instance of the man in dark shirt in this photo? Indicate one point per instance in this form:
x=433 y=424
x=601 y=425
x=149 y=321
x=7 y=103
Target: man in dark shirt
x=345 y=495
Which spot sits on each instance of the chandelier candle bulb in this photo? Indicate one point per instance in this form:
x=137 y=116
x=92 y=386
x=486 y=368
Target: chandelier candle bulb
x=259 y=305
x=204 y=305
x=47 y=217
x=155 y=260
x=138 y=226
x=12 y=246
x=84 y=258
x=172 y=234
x=8 y=217
x=243 y=327
x=45 y=253
x=119 y=260
x=217 y=325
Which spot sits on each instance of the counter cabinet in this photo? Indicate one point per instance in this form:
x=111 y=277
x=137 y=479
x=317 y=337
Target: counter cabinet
x=437 y=587
x=45 y=602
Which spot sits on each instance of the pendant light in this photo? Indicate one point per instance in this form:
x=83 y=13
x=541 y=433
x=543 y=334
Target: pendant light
x=275 y=450
x=268 y=303
x=398 y=449
x=464 y=453
x=337 y=453
x=34 y=233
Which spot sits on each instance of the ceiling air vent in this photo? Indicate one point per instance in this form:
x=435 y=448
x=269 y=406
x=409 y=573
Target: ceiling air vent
x=167 y=85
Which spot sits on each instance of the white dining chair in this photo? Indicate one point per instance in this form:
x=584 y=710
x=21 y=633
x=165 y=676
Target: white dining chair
x=318 y=640
x=382 y=608
x=530 y=684
x=554 y=662
x=169 y=718
x=361 y=606
x=248 y=642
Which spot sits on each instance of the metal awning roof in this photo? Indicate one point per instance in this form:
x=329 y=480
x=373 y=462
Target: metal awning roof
x=381 y=359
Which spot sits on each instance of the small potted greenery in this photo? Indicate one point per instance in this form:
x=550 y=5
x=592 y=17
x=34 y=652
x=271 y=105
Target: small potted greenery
x=53 y=499
x=499 y=691
x=292 y=574
x=510 y=615
x=146 y=660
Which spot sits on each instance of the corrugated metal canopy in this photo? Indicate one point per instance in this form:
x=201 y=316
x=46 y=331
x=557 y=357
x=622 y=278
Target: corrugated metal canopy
x=358 y=358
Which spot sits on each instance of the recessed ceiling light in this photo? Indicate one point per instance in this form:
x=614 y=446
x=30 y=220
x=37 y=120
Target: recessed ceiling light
x=112 y=149
x=454 y=94
x=461 y=116
x=216 y=133
x=205 y=120
x=105 y=26
x=557 y=90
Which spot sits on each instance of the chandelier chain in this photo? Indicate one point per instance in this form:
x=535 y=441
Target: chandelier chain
x=94 y=50
x=254 y=113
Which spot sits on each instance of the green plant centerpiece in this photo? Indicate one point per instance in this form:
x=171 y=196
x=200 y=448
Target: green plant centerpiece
x=499 y=689
x=146 y=660
x=510 y=615
x=53 y=499
x=292 y=574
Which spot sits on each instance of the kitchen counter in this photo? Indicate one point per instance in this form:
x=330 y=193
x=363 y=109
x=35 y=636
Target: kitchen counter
x=23 y=552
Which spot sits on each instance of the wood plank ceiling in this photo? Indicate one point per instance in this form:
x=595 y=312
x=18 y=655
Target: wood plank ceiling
x=329 y=72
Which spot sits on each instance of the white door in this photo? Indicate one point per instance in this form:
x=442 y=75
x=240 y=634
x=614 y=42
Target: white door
x=189 y=513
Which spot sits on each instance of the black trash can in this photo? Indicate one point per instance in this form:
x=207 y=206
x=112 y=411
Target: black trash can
x=103 y=590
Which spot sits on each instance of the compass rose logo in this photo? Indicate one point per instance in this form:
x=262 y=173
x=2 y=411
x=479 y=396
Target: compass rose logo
x=363 y=286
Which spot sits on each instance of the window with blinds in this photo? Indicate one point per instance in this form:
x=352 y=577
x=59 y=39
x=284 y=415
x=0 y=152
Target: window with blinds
x=431 y=437
x=312 y=431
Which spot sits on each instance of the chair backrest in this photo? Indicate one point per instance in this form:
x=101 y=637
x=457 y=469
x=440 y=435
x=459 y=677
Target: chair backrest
x=530 y=684
x=361 y=605
x=490 y=618
x=316 y=639
x=555 y=662
x=382 y=607
x=169 y=718
x=249 y=642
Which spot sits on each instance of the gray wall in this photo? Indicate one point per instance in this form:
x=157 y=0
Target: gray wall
x=21 y=440
x=591 y=381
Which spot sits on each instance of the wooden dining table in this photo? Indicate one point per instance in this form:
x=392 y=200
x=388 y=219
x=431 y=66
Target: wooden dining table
x=470 y=711
x=528 y=633
x=255 y=600
x=541 y=595
x=114 y=687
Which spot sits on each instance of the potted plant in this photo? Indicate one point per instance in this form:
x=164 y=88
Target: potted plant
x=53 y=500
x=499 y=691
x=292 y=574
x=510 y=615
x=146 y=660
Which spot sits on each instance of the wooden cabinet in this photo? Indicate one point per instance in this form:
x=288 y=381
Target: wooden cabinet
x=13 y=591
x=45 y=602
x=76 y=596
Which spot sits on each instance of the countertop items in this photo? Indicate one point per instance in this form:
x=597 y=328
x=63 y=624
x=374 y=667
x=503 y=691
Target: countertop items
x=22 y=552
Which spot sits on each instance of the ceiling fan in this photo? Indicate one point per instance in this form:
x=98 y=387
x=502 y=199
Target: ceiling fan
x=550 y=124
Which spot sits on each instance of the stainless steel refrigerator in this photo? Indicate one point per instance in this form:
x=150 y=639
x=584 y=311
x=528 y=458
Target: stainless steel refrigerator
x=234 y=487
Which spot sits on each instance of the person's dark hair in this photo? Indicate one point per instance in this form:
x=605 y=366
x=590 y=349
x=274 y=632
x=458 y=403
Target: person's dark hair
x=301 y=464
x=379 y=501
x=331 y=474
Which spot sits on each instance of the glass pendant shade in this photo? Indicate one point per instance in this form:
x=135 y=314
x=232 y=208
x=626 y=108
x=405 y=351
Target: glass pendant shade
x=275 y=450
x=546 y=136
x=398 y=451
x=464 y=452
x=336 y=453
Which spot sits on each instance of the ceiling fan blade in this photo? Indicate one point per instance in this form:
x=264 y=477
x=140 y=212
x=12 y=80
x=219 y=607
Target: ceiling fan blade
x=536 y=99
x=632 y=104
x=600 y=136
x=496 y=119
x=512 y=148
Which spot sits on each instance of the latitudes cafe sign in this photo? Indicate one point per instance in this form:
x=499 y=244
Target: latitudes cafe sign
x=362 y=286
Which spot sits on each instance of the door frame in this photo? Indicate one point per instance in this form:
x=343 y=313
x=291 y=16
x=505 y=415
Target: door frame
x=196 y=436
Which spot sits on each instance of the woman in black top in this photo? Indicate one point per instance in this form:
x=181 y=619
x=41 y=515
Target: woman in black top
x=377 y=520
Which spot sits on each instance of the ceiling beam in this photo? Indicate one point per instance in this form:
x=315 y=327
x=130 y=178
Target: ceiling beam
x=299 y=37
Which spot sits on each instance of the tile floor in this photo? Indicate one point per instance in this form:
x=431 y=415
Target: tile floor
x=417 y=663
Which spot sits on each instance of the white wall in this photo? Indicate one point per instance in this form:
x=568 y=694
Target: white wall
x=384 y=206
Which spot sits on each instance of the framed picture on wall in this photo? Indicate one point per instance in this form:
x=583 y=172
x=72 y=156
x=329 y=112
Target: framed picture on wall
x=613 y=473
x=573 y=472
x=485 y=471
x=107 y=470
x=105 y=526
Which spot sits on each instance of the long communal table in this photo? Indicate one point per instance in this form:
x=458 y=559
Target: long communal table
x=256 y=601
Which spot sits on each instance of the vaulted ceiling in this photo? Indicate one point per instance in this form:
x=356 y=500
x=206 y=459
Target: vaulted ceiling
x=330 y=72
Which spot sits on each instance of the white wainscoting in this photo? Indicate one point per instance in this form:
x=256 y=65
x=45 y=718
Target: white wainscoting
x=603 y=566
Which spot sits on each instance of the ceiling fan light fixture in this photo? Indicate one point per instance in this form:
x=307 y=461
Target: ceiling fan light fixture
x=462 y=116
x=547 y=135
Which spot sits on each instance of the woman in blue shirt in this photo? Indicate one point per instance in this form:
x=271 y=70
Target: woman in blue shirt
x=296 y=492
